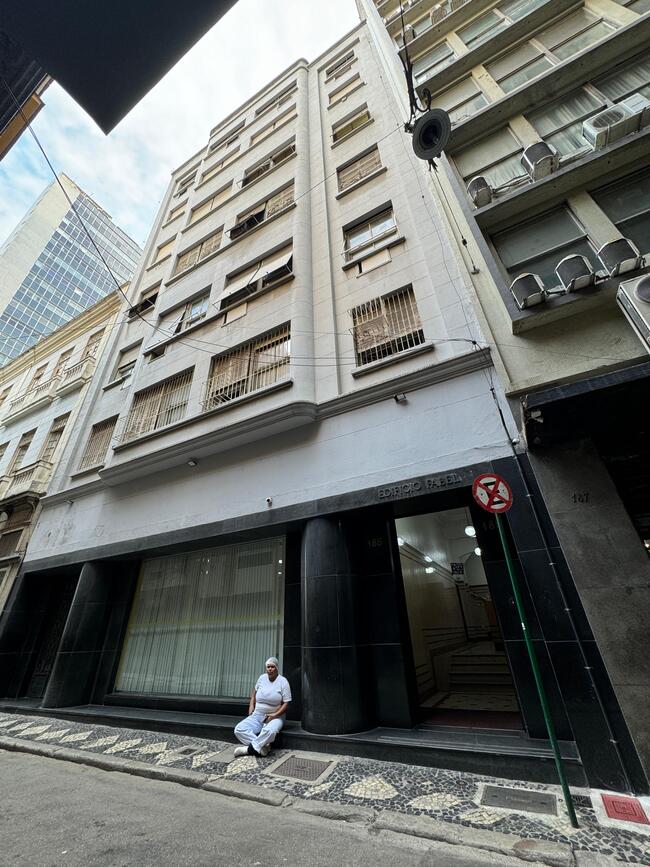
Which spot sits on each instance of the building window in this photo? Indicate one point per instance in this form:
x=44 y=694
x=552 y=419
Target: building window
x=54 y=438
x=158 y=406
x=185 y=183
x=255 y=365
x=462 y=100
x=483 y=28
x=125 y=363
x=62 y=362
x=258 y=171
x=515 y=68
x=193 y=312
x=90 y=350
x=176 y=212
x=265 y=274
x=358 y=169
x=344 y=90
x=344 y=128
x=627 y=204
x=229 y=139
x=146 y=303
x=163 y=251
x=9 y=546
x=560 y=122
x=37 y=378
x=365 y=236
x=210 y=204
x=199 y=620
x=198 y=252
x=269 y=129
x=386 y=326
x=433 y=61
x=280 y=99
x=496 y=157
x=3 y=449
x=574 y=33
x=630 y=77
x=21 y=450
x=217 y=167
x=275 y=204
x=340 y=65
x=537 y=246
x=100 y=438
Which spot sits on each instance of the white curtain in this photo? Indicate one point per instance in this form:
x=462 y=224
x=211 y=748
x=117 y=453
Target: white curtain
x=204 y=623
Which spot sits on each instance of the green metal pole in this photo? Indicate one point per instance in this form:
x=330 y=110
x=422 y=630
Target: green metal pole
x=538 y=677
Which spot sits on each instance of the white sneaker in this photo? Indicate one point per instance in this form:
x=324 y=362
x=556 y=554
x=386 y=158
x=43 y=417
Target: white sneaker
x=241 y=751
x=265 y=750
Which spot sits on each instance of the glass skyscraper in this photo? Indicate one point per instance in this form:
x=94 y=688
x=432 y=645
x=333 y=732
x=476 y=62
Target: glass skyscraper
x=66 y=275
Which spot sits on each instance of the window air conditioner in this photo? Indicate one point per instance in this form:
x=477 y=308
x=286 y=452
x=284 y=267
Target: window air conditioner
x=479 y=191
x=438 y=12
x=528 y=290
x=620 y=256
x=609 y=126
x=539 y=160
x=639 y=105
x=633 y=297
x=575 y=272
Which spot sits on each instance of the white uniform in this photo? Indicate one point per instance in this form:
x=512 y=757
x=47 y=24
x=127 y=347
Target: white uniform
x=269 y=695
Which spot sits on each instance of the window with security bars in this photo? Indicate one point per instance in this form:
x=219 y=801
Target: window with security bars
x=158 y=406
x=198 y=252
x=359 y=169
x=54 y=437
x=248 y=368
x=98 y=442
x=386 y=326
x=261 y=212
x=345 y=128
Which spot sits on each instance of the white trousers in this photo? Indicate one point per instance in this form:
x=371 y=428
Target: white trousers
x=253 y=730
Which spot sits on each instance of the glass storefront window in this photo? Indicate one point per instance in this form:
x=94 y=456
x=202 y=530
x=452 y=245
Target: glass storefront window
x=204 y=622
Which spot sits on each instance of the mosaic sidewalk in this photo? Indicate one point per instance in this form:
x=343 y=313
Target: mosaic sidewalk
x=448 y=796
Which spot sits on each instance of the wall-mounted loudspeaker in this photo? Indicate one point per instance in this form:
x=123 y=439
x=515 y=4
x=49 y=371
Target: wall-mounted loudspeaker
x=431 y=134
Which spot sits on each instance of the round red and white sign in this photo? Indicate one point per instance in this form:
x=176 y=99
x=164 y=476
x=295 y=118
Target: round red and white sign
x=492 y=493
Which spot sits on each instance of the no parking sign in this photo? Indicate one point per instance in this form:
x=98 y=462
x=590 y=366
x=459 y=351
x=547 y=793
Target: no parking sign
x=492 y=493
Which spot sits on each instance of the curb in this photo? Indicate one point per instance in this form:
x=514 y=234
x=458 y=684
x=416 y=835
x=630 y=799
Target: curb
x=524 y=849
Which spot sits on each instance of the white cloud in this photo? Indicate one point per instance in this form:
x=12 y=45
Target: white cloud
x=127 y=172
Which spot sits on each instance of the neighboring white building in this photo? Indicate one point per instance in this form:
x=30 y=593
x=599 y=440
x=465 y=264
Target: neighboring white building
x=41 y=394
x=278 y=449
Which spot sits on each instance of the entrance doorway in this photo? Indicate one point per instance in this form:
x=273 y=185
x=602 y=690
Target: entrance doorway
x=462 y=673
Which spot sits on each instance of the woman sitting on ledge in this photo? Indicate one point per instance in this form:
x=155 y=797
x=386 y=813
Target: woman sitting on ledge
x=266 y=712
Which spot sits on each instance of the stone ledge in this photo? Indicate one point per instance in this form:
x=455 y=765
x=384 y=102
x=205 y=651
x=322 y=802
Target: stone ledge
x=249 y=792
x=537 y=851
x=337 y=812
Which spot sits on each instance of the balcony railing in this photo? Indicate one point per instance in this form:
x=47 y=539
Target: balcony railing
x=43 y=393
x=76 y=375
x=33 y=479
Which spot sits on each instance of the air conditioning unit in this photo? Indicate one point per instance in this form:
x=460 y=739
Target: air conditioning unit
x=639 y=105
x=609 y=126
x=438 y=12
x=539 y=160
x=620 y=256
x=528 y=290
x=479 y=191
x=633 y=297
x=575 y=272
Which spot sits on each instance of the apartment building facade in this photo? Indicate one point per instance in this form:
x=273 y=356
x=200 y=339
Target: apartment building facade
x=277 y=456
x=51 y=272
x=41 y=393
x=546 y=186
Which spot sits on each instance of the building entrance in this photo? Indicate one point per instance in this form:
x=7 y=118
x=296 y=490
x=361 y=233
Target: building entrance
x=462 y=673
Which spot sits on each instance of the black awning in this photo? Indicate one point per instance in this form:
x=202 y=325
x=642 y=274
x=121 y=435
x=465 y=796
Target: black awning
x=22 y=74
x=108 y=55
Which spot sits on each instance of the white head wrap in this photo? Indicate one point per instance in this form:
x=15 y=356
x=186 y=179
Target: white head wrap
x=273 y=660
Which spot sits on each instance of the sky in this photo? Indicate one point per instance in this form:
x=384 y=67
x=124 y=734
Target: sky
x=127 y=171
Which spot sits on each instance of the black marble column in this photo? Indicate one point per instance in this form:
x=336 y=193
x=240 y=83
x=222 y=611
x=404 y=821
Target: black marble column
x=334 y=699
x=92 y=634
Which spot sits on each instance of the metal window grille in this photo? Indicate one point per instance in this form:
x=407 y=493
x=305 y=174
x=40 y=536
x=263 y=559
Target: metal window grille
x=54 y=438
x=158 y=406
x=98 y=443
x=279 y=201
x=198 y=252
x=248 y=368
x=342 y=130
x=359 y=169
x=386 y=326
